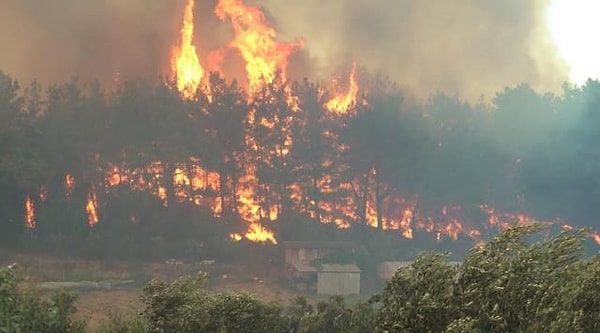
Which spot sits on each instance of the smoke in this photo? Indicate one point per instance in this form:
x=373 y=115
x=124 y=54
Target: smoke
x=467 y=47
x=55 y=40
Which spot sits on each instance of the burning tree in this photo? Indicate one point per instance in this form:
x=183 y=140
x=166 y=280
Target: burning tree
x=249 y=153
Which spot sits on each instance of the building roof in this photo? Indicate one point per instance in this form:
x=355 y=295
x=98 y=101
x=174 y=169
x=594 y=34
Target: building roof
x=319 y=244
x=338 y=268
x=304 y=268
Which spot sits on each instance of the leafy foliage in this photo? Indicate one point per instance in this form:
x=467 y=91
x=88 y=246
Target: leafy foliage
x=24 y=312
x=185 y=306
x=509 y=284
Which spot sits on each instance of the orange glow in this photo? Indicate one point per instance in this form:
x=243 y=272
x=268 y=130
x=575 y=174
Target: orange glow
x=181 y=183
x=257 y=233
x=596 y=237
x=69 y=184
x=29 y=213
x=184 y=59
x=162 y=195
x=113 y=176
x=92 y=209
x=249 y=206
x=343 y=102
x=204 y=180
x=256 y=41
x=235 y=237
x=567 y=227
x=43 y=193
x=405 y=223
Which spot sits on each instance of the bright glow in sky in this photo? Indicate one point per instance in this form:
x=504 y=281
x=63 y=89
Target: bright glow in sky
x=575 y=29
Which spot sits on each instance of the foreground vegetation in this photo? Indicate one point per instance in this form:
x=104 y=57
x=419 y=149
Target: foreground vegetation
x=516 y=282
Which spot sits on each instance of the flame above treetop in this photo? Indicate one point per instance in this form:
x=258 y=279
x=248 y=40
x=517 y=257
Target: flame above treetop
x=342 y=102
x=338 y=201
x=256 y=41
x=184 y=60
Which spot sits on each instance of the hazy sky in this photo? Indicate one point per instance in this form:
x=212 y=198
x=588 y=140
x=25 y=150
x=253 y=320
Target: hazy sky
x=470 y=47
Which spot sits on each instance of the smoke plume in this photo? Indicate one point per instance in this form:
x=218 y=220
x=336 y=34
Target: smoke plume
x=467 y=47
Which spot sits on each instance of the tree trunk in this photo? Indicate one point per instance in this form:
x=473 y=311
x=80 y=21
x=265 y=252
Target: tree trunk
x=365 y=199
x=317 y=199
x=378 y=201
x=223 y=190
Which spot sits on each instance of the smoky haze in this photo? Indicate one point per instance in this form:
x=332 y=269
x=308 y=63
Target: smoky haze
x=466 y=47
x=55 y=40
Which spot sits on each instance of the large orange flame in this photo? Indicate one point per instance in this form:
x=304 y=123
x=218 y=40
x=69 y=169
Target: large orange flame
x=256 y=233
x=342 y=102
x=256 y=41
x=184 y=59
x=29 y=213
x=91 y=208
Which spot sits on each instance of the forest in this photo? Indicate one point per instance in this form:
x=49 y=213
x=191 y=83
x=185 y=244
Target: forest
x=124 y=170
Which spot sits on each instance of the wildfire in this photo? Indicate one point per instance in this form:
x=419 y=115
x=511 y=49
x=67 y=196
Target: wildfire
x=343 y=102
x=43 y=193
x=92 y=209
x=257 y=233
x=69 y=184
x=343 y=202
x=113 y=176
x=596 y=237
x=29 y=213
x=184 y=59
x=256 y=41
x=162 y=195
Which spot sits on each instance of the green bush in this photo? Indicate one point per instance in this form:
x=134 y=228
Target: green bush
x=185 y=306
x=23 y=311
x=509 y=284
x=333 y=316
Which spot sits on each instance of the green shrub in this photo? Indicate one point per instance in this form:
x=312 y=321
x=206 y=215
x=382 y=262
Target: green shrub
x=22 y=311
x=185 y=306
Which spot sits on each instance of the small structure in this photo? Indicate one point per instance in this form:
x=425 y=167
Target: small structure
x=303 y=276
x=326 y=280
x=305 y=252
x=338 y=279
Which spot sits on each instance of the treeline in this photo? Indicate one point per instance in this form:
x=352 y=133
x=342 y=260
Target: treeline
x=508 y=284
x=387 y=162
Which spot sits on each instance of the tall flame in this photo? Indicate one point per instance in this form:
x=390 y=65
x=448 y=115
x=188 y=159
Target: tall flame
x=91 y=208
x=342 y=102
x=256 y=41
x=257 y=233
x=29 y=213
x=184 y=59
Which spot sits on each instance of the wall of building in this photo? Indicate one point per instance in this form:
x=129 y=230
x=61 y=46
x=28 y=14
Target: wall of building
x=302 y=255
x=338 y=283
